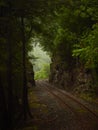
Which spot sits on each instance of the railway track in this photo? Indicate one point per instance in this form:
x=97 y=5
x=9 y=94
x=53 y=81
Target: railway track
x=62 y=97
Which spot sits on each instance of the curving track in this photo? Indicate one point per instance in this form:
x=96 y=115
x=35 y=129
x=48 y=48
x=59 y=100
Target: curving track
x=69 y=101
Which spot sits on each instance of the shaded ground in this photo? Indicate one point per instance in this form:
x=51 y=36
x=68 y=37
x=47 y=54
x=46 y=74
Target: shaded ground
x=49 y=114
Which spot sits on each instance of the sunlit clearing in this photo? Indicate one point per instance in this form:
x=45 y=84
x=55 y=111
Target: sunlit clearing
x=41 y=64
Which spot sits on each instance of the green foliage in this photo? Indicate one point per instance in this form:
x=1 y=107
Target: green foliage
x=61 y=28
x=43 y=73
x=87 y=51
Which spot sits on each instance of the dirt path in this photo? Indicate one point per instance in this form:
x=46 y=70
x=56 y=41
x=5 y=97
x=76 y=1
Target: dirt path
x=53 y=113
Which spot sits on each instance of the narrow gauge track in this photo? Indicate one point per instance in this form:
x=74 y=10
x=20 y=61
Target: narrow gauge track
x=60 y=100
x=58 y=94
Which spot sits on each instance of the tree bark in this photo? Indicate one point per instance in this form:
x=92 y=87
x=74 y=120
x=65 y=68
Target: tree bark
x=26 y=110
x=10 y=87
x=3 y=108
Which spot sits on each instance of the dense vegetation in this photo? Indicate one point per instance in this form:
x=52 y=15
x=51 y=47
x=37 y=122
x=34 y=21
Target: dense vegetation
x=67 y=30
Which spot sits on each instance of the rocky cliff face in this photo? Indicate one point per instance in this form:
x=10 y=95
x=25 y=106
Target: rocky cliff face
x=72 y=78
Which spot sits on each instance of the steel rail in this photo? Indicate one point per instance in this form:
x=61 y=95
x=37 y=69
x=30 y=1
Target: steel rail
x=72 y=98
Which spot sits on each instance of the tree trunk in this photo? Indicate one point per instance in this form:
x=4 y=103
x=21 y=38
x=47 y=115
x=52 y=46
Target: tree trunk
x=3 y=109
x=26 y=110
x=10 y=87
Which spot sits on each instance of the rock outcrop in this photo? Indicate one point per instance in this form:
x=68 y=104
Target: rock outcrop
x=75 y=78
